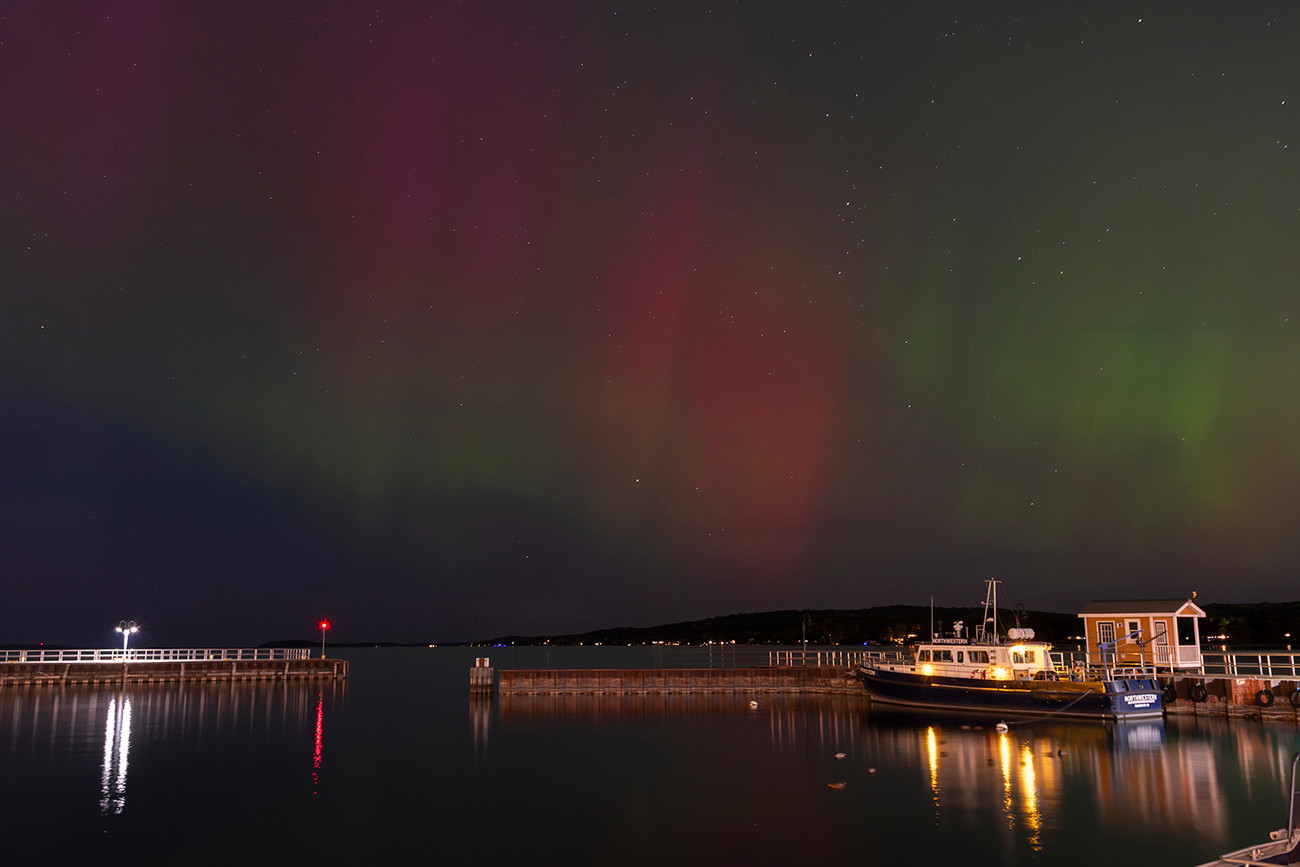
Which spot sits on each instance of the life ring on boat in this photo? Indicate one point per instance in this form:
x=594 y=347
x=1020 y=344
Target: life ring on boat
x=1264 y=698
x=1197 y=692
x=1171 y=694
x=1295 y=698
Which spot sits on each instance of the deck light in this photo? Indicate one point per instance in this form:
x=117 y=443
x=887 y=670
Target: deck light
x=126 y=627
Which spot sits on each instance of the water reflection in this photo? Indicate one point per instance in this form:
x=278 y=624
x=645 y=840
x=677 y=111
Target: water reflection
x=145 y=726
x=117 y=751
x=1176 y=776
x=320 y=737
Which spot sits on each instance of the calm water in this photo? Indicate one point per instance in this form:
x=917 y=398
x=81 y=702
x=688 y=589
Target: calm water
x=399 y=762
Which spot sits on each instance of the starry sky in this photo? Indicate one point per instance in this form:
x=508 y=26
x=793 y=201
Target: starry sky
x=448 y=320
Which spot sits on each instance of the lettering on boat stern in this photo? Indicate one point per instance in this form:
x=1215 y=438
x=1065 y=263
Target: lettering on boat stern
x=1140 y=699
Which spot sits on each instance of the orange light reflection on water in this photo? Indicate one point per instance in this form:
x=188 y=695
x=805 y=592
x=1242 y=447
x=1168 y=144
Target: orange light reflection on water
x=1029 y=783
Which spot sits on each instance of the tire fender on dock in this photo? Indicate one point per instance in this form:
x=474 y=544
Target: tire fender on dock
x=1295 y=698
x=1198 y=693
x=1264 y=698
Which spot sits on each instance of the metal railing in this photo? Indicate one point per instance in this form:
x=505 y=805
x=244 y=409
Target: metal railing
x=831 y=658
x=1279 y=665
x=1225 y=664
x=149 y=654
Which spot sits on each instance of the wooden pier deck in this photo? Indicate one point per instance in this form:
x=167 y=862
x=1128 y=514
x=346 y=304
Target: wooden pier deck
x=168 y=671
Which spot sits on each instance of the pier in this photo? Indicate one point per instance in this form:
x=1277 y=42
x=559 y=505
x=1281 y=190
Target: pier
x=60 y=667
x=1250 y=686
x=642 y=681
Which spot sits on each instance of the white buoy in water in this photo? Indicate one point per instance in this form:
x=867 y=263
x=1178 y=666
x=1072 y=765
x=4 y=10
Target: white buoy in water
x=839 y=755
x=1001 y=727
x=837 y=785
x=753 y=704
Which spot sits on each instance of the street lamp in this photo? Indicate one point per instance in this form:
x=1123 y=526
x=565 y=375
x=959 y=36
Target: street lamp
x=323 y=625
x=126 y=627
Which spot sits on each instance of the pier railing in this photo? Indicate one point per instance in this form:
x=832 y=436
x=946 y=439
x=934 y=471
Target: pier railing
x=150 y=654
x=1278 y=665
x=833 y=658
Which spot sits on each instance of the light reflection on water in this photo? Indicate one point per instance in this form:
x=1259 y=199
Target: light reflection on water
x=117 y=750
x=304 y=771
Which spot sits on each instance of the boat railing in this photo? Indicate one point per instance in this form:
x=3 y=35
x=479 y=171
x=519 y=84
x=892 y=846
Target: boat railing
x=1295 y=796
x=155 y=654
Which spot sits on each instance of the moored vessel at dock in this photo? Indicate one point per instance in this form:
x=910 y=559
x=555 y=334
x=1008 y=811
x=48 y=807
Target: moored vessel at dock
x=1011 y=673
x=1284 y=844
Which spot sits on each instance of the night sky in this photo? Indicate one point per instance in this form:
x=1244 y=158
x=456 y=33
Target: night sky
x=451 y=320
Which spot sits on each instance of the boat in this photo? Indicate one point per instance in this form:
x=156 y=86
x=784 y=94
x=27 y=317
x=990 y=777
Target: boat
x=988 y=671
x=1283 y=846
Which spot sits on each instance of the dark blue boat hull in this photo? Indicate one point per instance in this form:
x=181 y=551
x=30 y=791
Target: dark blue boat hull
x=1119 y=699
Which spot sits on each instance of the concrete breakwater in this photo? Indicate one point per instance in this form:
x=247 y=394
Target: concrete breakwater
x=59 y=673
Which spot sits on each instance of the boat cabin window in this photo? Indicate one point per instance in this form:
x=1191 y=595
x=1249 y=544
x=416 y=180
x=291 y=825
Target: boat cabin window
x=943 y=656
x=981 y=656
x=923 y=656
x=1022 y=656
x=959 y=657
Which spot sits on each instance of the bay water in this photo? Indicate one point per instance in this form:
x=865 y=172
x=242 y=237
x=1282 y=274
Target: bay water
x=398 y=764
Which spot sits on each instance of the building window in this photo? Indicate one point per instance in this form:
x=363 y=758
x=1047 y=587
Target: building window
x=1105 y=631
x=1187 y=631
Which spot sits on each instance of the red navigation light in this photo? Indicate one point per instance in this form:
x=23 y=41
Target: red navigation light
x=324 y=624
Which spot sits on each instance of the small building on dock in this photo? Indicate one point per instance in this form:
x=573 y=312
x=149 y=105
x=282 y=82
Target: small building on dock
x=1165 y=633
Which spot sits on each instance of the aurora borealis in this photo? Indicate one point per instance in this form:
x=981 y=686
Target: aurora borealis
x=450 y=320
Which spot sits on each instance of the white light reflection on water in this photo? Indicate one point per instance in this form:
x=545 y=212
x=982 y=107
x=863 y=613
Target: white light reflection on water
x=117 y=751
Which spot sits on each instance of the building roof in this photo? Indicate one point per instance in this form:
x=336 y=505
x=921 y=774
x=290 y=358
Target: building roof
x=1182 y=606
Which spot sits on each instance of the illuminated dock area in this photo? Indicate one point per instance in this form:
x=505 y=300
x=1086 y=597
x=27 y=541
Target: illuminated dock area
x=60 y=667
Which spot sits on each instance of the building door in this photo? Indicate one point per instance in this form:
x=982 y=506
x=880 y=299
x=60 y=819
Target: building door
x=1162 y=656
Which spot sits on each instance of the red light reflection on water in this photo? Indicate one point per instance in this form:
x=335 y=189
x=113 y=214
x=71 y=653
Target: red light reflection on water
x=320 y=732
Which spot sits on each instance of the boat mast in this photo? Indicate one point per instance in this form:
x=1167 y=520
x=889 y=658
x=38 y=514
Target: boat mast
x=990 y=603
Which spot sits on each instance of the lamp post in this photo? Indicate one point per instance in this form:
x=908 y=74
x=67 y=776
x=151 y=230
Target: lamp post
x=126 y=627
x=323 y=625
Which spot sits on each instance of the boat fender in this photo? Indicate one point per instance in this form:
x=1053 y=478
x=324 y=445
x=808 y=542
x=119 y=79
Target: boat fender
x=1295 y=698
x=1171 y=694
x=1198 y=693
x=1264 y=698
